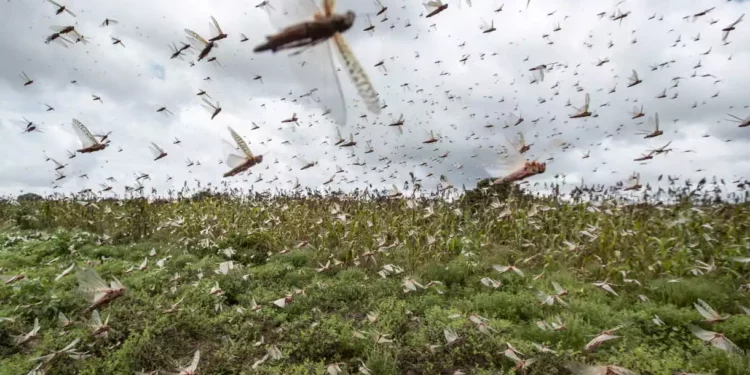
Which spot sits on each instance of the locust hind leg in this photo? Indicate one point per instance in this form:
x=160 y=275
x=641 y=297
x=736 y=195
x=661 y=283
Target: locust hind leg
x=307 y=43
x=307 y=47
x=295 y=44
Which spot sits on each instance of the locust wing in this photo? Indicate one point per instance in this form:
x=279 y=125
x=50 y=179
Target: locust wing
x=241 y=143
x=156 y=150
x=87 y=139
x=210 y=107
x=357 y=74
x=654 y=121
x=585 y=107
x=233 y=153
x=214 y=27
x=538 y=73
x=634 y=179
x=234 y=161
x=91 y=285
x=514 y=120
x=431 y=6
x=634 y=77
x=303 y=160
x=513 y=160
x=195 y=40
x=194 y=364
x=96 y=320
x=519 y=143
x=339 y=137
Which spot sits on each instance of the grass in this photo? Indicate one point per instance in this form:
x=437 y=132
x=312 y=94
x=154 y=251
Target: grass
x=282 y=245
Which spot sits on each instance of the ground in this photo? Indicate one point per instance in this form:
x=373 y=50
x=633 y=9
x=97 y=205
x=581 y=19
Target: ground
x=346 y=267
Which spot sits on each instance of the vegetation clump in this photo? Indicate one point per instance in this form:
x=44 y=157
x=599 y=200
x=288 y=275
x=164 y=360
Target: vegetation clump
x=494 y=282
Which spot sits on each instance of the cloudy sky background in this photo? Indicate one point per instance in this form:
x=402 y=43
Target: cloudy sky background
x=136 y=80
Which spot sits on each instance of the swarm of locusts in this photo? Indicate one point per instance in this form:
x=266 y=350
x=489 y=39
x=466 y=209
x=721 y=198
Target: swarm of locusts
x=634 y=278
x=599 y=281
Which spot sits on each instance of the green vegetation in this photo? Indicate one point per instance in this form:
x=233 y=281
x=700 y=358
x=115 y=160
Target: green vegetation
x=338 y=261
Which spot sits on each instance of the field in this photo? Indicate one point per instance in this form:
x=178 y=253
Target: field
x=378 y=286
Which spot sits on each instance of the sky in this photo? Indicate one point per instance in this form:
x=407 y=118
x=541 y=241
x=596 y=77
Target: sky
x=453 y=99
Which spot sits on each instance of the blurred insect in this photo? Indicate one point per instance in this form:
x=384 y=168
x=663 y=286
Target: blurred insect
x=211 y=108
x=27 y=80
x=514 y=120
x=117 y=41
x=743 y=123
x=521 y=145
x=68 y=350
x=520 y=168
x=58 y=35
x=216 y=30
x=381 y=66
x=382 y=9
x=305 y=164
x=654 y=122
x=399 y=124
x=96 y=290
x=27 y=125
x=314 y=35
x=539 y=70
x=710 y=315
x=196 y=41
x=28 y=337
x=191 y=369
x=637 y=113
x=351 y=142
x=293 y=119
x=619 y=16
x=339 y=138
x=434 y=7
x=432 y=138
x=90 y=144
x=99 y=328
x=444 y=183
x=108 y=22
x=715 y=339
x=324 y=25
x=582 y=369
x=644 y=157
x=602 y=337
x=370 y=27
x=731 y=27
x=157 y=151
x=165 y=111
x=177 y=52
x=634 y=184
x=583 y=111
x=488 y=28
x=522 y=365
x=240 y=164
x=395 y=192
x=61 y=8
x=634 y=80
x=662 y=149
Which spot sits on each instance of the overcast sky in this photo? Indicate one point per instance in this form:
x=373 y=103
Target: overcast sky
x=444 y=95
